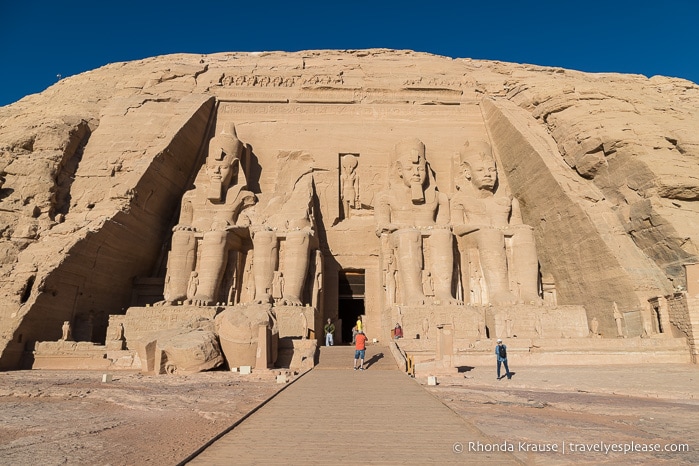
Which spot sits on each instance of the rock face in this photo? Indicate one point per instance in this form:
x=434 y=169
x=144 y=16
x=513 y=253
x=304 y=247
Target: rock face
x=94 y=170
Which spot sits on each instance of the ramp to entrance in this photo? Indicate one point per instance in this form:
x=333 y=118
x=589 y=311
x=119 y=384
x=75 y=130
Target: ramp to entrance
x=334 y=414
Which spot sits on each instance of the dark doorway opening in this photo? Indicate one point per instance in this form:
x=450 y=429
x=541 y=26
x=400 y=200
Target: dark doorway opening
x=350 y=300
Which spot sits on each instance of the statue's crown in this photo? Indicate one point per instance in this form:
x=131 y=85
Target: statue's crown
x=475 y=151
x=226 y=142
x=413 y=148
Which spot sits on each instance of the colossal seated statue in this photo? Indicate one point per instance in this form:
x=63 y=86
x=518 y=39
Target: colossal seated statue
x=205 y=235
x=409 y=210
x=500 y=263
x=281 y=226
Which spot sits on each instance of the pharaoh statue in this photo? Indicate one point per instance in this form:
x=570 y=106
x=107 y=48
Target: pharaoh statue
x=349 y=184
x=205 y=235
x=412 y=209
x=490 y=233
x=281 y=226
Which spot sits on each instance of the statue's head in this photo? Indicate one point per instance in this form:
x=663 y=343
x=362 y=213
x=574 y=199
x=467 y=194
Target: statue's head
x=222 y=161
x=478 y=165
x=412 y=167
x=349 y=163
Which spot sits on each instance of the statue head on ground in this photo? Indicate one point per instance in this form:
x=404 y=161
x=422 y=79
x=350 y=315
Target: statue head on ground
x=222 y=162
x=411 y=167
x=478 y=165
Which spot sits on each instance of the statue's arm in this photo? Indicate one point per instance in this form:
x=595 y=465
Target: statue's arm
x=459 y=219
x=383 y=215
x=186 y=214
x=443 y=212
x=516 y=213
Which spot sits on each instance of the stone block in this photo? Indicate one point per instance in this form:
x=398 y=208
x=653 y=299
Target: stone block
x=245 y=370
x=431 y=380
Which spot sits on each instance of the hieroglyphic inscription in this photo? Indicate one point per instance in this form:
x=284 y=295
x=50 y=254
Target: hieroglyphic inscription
x=378 y=111
x=140 y=321
x=451 y=97
x=281 y=81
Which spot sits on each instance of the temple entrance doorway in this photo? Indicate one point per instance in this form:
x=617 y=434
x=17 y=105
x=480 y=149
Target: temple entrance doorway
x=350 y=300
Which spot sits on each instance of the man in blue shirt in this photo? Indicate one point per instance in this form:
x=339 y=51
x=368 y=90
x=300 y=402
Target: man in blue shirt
x=501 y=353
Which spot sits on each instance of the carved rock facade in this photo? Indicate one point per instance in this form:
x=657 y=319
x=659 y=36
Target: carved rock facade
x=191 y=181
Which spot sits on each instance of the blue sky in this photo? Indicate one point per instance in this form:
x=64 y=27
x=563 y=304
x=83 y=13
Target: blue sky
x=42 y=39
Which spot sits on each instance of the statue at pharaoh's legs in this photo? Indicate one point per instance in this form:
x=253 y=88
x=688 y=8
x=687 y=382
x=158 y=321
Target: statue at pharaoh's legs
x=485 y=218
x=410 y=209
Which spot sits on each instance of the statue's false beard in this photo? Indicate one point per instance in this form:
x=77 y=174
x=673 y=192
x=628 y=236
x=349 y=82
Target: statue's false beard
x=214 y=192
x=417 y=193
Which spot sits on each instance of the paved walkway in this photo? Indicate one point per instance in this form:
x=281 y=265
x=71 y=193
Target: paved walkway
x=334 y=414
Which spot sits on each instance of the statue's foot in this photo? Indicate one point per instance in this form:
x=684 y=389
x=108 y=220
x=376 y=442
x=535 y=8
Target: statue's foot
x=291 y=301
x=503 y=297
x=164 y=302
x=265 y=298
x=200 y=301
x=417 y=301
x=534 y=299
x=448 y=301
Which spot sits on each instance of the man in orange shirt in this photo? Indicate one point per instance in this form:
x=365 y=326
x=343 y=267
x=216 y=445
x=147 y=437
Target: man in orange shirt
x=359 y=350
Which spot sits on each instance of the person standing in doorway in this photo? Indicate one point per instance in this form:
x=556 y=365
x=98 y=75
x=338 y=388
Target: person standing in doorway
x=501 y=353
x=359 y=351
x=360 y=325
x=354 y=334
x=329 y=331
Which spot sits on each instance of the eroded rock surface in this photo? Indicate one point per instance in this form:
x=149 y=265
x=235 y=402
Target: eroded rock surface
x=94 y=168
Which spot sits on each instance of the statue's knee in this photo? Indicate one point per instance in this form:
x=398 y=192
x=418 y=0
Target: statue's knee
x=215 y=237
x=407 y=236
x=297 y=238
x=264 y=238
x=182 y=238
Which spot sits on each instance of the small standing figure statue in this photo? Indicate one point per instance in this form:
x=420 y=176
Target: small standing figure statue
x=349 y=184
x=538 y=326
x=427 y=283
x=67 y=334
x=594 y=327
x=482 y=333
x=426 y=327
x=278 y=286
x=119 y=332
x=617 y=318
x=508 y=325
x=192 y=285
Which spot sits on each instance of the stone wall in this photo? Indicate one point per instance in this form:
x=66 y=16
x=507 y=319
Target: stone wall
x=684 y=315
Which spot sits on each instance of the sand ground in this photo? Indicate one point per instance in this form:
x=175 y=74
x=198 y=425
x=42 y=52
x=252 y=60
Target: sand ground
x=71 y=417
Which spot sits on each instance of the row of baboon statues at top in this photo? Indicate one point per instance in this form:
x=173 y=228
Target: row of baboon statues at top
x=221 y=219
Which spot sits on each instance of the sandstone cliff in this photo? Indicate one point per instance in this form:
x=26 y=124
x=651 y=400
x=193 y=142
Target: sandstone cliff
x=606 y=168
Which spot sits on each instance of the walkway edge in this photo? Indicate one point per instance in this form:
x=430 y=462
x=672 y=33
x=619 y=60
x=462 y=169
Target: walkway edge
x=199 y=450
x=464 y=420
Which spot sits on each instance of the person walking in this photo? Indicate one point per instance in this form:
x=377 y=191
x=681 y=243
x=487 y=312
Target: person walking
x=501 y=353
x=329 y=331
x=359 y=351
